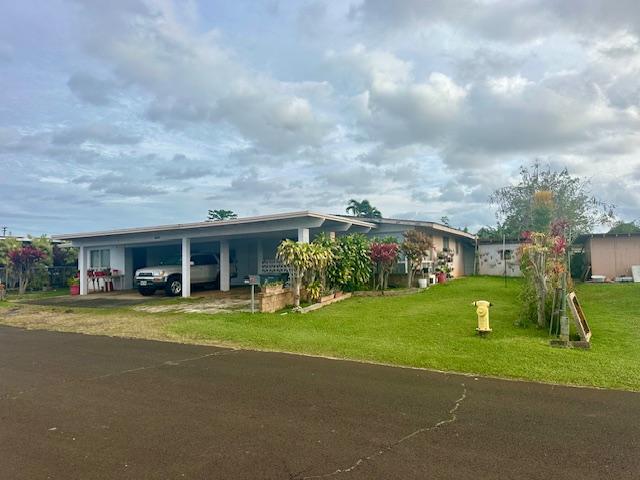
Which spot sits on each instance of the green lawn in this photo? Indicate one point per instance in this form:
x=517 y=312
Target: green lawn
x=436 y=329
x=56 y=292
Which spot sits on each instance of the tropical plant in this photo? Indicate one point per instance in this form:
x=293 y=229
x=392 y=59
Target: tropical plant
x=363 y=209
x=301 y=259
x=353 y=265
x=384 y=256
x=64 y=256
x=543 y=264
x=44 y=243
x=219 y=215
x=314 y=290
x=7 y=245
x=322 y=257
x=572 y=200
x=416 y=246
x=24 y=262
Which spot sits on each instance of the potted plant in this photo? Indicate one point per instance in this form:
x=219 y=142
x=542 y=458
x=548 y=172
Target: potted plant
x=74 y=285
x=422 y=281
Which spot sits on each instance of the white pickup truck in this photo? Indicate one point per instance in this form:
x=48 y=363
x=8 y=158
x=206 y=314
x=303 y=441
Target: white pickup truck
x=205 y=269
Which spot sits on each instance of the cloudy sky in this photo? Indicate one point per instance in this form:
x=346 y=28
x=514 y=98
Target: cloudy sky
x=132 y=112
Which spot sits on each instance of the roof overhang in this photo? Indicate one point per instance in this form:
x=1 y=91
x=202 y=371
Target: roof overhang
x=284 y=222
x=432 y=225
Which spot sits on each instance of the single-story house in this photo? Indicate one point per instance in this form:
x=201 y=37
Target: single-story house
x=249 y=244
x=610 y=254
x=458 y=244
x=498 y=257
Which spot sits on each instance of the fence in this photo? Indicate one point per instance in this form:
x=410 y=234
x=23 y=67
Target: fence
x=52 y=277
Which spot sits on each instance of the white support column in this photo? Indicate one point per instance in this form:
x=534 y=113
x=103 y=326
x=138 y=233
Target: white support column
x=259 y=256
x=186 y=267
x=303 y=235
x=82 y=268
x=225 y=273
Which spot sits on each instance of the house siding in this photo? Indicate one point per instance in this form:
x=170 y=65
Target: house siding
x=613 y=256
x=456 y=245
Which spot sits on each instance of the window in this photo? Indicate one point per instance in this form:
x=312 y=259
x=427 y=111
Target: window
x=204 y=260
x=445 y=244
x=505 y=254
x=100 y=259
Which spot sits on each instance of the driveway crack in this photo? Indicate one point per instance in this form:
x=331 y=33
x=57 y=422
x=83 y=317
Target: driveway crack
x=452 y=417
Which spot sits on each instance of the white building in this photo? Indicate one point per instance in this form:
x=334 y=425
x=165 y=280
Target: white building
x=494 y=258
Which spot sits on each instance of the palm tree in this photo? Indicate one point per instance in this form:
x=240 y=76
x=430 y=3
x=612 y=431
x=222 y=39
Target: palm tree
x=363 y=209
x=219 y=215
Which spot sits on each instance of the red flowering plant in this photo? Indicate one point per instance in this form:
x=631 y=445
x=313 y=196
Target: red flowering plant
x=543 y=264
x=384 y=256
x=559 y=245
x=24 y=261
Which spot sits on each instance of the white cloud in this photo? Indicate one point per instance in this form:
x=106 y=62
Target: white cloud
x=192 y=78
x=423 y=107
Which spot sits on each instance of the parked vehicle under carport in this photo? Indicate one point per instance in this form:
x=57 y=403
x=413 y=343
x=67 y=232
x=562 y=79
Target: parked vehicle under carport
x=205 y=270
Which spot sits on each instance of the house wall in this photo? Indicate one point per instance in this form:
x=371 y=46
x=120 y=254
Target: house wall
x=469 y=258
x=455 y=245
x=117 y=261
x=490 y=260
x=613 y=256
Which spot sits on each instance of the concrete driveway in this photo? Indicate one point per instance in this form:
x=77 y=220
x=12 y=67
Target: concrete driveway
x=74 y=406
x=129 y=298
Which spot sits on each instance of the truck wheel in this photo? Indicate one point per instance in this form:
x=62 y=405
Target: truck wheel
x=174 y=286
x=146 y=291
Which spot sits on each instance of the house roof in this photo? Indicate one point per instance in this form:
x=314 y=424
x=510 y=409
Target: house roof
x=419 y=223
x=214 y=225
x=508 y=241
x=583 y=238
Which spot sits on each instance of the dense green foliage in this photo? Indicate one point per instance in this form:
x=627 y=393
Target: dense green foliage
x=572 y=201
x=351 y=266
x=625 y=227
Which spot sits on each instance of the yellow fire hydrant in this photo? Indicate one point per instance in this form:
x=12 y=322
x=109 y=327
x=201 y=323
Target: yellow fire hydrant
x=482 y=309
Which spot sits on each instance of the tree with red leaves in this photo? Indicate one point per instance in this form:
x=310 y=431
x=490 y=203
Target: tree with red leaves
x=24 y=261
x=384 y=255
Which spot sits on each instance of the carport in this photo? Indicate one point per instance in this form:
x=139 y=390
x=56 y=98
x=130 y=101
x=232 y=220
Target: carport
x=250 y=243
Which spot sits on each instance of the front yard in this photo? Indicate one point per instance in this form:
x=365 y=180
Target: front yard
x=432 y=329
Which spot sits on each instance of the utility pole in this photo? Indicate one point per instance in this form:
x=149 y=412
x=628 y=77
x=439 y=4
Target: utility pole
x=4 y=231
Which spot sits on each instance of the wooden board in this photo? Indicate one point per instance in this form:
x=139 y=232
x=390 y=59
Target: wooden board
x=579 y=318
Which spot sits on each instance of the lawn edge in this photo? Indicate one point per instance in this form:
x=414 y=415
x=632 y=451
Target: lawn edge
x=238 y=347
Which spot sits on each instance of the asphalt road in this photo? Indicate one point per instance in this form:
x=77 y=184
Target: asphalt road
x=83 y=407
